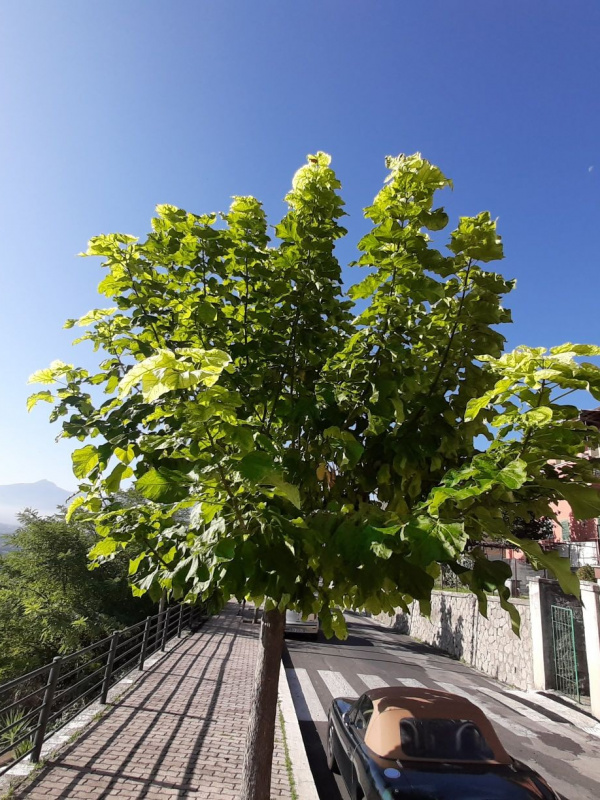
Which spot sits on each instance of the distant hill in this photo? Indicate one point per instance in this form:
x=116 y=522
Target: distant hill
x=43 y=496
x=5 y=528
x=8 y=527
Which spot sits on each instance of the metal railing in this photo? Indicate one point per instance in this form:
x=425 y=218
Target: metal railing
x=36 y=705
x=580 y=553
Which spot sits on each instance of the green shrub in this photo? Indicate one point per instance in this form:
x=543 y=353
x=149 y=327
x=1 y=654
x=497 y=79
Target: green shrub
x=19 y=729
x=586 y=573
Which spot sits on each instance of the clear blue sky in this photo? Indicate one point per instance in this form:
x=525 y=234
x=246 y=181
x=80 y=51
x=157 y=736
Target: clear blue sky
x=109 y=107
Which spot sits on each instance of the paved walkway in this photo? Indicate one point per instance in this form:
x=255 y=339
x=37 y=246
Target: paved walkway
x=180 y=732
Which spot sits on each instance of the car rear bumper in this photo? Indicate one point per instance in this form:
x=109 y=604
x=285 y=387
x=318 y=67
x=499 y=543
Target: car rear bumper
x=306 y=628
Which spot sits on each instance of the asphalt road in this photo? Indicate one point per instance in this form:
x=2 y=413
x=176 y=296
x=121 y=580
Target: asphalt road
x=533 y=728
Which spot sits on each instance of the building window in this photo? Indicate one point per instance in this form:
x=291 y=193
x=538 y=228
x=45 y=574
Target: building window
x=566 y=530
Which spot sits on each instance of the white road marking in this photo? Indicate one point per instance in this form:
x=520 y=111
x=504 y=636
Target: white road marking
x=373 y=681
x=524 y=711
x=514 y=704
x=411 y=683
x=581 y=721
x=396 y=653
x=337 y=684
x=510 y=725
x=307 y=704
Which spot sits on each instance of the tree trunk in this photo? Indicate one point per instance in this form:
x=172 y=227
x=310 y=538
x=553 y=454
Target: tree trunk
x=160 y=619
x=256 y=774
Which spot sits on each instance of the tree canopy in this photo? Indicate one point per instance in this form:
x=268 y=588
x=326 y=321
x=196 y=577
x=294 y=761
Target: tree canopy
x=325 y=446
x=50 y=602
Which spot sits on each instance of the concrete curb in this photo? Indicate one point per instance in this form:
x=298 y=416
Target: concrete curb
x=303 y=777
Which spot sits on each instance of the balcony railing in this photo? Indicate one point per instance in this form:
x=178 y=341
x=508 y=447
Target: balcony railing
x=580 y=553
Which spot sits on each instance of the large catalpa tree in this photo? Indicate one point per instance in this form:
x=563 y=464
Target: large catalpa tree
x=325 y=460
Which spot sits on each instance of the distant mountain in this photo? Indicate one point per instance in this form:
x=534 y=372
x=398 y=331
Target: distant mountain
x=7 y=527
x=4 y=530
x=43 y=496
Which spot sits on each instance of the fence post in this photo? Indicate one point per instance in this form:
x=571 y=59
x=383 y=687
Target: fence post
x=541 y=634
x=109 y=666
x=165 y=630
x=180 y=620
x=45 y=709
x=590 y=597
x=161 y=616
x=144 y=643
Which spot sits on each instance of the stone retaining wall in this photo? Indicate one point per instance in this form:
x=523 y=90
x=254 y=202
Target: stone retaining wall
x=456 y=627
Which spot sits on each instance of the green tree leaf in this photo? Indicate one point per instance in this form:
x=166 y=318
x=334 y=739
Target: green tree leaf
x=34 y=399
x=95 y=315
x=51 y=374
x=538 y=416
x=576 y=349
x=584 y=500
x=105 y=547
x=112 y=483
x=84 y=461
x=163 y=485
x=514 y=475
x=167 y=372
x=257 y=465
x=76 y=503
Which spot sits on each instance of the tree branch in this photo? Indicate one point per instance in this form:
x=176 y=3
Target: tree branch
x=246 y=309
x=155 y=551
x=286 y=367
x=144 y=309
x=564 y=394
x=227 y=485
x=416 y=416
x=529 y=433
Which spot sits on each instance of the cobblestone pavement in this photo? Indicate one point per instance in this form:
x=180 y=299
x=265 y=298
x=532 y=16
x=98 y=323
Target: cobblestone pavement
x=179 y=733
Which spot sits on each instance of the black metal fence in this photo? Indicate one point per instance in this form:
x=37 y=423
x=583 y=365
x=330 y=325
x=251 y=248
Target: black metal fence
x=36 y=705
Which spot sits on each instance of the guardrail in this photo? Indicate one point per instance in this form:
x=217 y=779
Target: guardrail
x=36 y=705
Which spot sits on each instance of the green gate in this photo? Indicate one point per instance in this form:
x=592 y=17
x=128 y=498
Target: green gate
x=565 y=655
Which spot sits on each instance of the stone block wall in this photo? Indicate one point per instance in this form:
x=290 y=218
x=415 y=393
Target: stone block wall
x=456 y=627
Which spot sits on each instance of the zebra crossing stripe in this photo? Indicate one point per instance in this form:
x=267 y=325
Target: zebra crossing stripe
x=336 y=683
x=411 y=683
x=373 y=681
x=576 y=718
x=307 y=704
x=524 y=711
x=309 y=707
x=510 y=725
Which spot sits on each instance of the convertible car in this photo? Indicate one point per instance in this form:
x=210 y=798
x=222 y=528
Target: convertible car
x=422 y=744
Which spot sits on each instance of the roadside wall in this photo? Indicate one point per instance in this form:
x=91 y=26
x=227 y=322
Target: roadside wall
x=456 y=627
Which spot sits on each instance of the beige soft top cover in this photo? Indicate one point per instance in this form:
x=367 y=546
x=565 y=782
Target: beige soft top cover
x=392 y=705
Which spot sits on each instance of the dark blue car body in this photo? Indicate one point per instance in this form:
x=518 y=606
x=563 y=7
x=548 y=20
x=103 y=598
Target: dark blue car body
x=370 y=777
